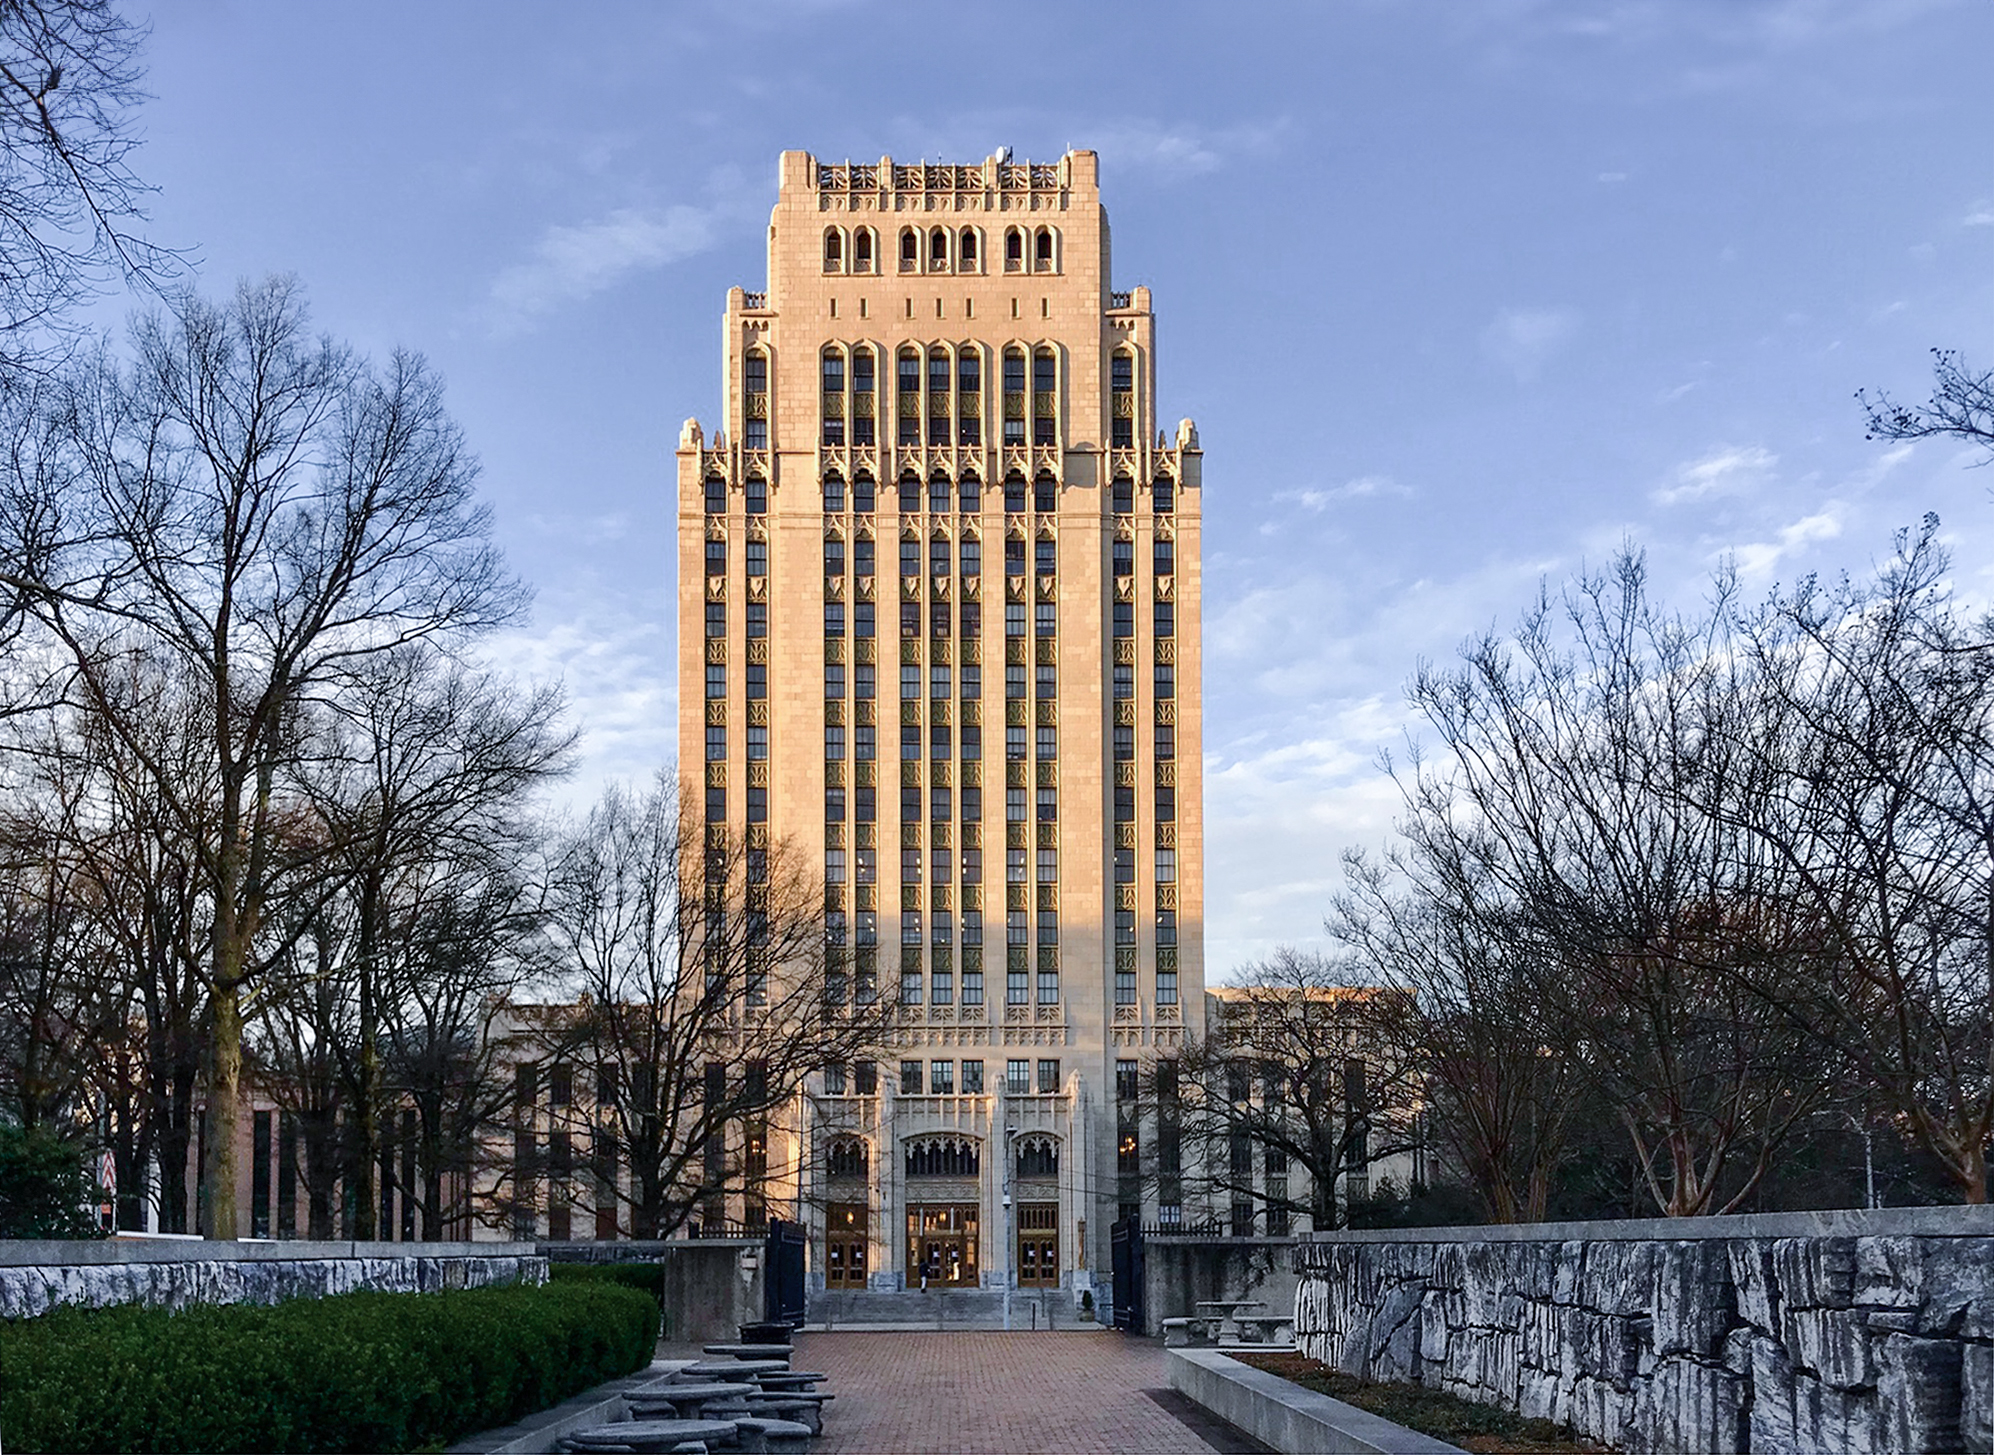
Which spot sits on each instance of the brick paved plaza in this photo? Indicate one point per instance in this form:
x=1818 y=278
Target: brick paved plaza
x=1005 y=1394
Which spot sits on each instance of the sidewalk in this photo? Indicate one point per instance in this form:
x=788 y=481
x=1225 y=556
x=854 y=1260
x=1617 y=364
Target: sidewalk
x=1005 y=1394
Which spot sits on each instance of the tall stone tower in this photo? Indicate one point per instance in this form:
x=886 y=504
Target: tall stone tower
x=939 y=618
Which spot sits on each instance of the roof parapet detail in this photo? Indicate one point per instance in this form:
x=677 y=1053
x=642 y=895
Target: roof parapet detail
x=996 y=174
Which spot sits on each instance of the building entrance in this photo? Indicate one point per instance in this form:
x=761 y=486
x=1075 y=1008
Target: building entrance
x=845 y=1228
x=1038 y=1244
x=941 y=1245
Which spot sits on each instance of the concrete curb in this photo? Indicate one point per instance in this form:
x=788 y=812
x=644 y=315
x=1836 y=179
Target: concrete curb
x=1285 y=1416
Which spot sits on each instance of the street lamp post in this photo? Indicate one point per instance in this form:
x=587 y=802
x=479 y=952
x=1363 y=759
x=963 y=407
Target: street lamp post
x=1010 y=1238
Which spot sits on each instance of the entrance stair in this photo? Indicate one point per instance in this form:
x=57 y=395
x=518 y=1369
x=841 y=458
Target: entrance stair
x=943 y=1308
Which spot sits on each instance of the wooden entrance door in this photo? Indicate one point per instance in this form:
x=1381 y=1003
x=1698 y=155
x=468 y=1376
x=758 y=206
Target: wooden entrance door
x=1038 y=1244
x=941 y=1245
x=846 y=1225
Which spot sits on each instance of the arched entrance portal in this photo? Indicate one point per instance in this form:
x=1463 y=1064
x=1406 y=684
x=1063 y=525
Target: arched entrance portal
x=944 y=1177
x=941 y=1245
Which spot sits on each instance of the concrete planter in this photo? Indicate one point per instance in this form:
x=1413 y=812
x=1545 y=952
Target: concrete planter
x=1285 y=1416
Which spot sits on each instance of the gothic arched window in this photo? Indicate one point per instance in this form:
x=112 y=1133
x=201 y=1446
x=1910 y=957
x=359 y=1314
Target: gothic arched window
x=848 y=1157
x=1038 y=1157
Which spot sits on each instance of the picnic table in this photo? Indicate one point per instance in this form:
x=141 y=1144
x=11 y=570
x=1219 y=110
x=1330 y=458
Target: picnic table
x=732 y=1369
x=802 y=1380
x=688 y=1400
x=1227 y=1314
x=805 y=1408
x=648 y=1435
x=749 y=1351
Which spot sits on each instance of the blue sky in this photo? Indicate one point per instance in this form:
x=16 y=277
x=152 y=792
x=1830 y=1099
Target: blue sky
x=1460 y=292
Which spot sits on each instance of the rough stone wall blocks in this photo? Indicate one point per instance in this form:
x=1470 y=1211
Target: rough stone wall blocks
x=1859 y=1332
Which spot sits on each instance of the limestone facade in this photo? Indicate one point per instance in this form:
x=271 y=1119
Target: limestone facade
x=939 y=631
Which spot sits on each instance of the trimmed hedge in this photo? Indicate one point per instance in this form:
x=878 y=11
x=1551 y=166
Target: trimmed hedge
x=648 y=1276
x=361 y=1371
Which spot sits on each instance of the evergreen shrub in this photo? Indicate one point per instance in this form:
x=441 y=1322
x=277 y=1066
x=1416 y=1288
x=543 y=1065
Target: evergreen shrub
x=361 y=1371
x=648 y=1276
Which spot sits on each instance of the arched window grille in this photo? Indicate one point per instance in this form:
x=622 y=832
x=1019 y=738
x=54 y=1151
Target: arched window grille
x=938 y=250
x=1016 y=404
x=834 y=251
x=943 y=1157
x=938 y=394
x=908 y=382
x=862 y=246
x=1042 y=250
x=833 y=401
x=966 y=249
x=1121 y=397
x=1045 y=397
x=969 y=395
x=864 y=402
x=848 y=1157
x=910 y=250
x=1038 y=1157
x=755 y=400
x=1014 y=250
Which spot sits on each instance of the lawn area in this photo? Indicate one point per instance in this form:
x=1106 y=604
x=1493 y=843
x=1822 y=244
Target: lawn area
x=1480 y=1428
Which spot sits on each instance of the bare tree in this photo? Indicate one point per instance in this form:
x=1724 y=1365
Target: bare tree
x=466 y=943
x=1885 y=822
x=1500 y=1095
x=1961 y=406
x=1299 y=1081
x=58 y=991
x=426 y=789
x=265 y=512
x=1600 y=762
x=70 y=204
x=705 y=994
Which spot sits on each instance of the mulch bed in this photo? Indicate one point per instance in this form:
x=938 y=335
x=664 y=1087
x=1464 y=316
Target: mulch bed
x=1482 y=1429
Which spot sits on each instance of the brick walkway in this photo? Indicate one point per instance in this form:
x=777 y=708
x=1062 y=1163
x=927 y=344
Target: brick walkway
x=1004 y=1394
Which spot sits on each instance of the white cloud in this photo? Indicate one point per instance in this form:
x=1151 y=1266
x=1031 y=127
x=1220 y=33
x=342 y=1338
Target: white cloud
x=615 y=660
x=574 y=261
x=1981 y=216
x=1759 y=557
x=1522 y=340
x=1727 y=471
x=1612 y=176
x=1158 y=146
x=1364 y=485
x=571 y=263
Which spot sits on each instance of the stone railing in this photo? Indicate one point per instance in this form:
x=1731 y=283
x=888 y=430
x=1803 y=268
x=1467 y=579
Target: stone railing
x=1848 y=1331
x=38 y=1276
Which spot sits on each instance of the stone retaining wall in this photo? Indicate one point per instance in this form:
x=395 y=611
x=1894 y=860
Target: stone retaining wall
x=38 y=1276
x=1850 y=1331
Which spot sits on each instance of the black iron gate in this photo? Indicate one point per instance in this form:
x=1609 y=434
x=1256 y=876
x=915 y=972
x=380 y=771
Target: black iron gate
x=1125 y=1245
x=782 y=1277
